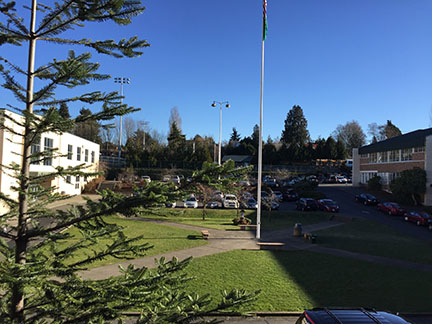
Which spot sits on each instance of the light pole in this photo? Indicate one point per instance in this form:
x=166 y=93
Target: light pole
x=220 y=126
x=121 y=81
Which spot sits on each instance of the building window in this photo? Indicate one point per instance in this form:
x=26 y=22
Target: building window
x=70 y=152
x=68 y=179
x=406 y=155
x=77 y=182
x=373 y=158
x=384 y=157
x=419 y=149
x=92 y=156
x=394 y=156
x=48 y=145
x=35 y=148
x=364 y=155
x=86 y=155
x=78 y=153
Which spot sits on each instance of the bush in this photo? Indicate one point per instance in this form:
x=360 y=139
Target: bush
x=409 y=186
x=241 y=220
x=374 y=183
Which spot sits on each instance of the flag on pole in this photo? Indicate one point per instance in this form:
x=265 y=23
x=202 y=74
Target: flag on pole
x=265 y=19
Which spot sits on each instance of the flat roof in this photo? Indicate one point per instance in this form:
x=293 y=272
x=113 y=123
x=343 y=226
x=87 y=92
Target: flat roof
x=408 y=140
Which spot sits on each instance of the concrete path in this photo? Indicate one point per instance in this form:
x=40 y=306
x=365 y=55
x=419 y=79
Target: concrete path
x=219 y=241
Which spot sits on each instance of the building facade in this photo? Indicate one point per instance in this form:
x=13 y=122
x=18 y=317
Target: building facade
x=74 y=150
x=388 y=158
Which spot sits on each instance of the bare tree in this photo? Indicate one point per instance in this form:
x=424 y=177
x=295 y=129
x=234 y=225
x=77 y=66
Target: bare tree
x=175 y=118
x=129 y=127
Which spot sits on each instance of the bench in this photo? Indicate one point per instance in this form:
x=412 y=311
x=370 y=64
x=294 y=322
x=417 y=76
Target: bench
x=270 y=245
x=244 y=226
x=205 y=234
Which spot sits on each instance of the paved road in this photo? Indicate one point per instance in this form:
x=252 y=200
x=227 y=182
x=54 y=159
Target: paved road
x=344 y=195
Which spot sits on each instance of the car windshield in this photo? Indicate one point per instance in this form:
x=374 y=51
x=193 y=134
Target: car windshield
x=192 y=199
x=230 y=198
x=329 y=202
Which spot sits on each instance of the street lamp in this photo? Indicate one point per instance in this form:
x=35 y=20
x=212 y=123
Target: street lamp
x=121 y=81
x=220 y=125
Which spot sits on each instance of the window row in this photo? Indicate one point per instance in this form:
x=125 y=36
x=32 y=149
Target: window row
x=392 y=156
x=386 y=177
x=77 y=180
x=78 y=154
x=48 y=149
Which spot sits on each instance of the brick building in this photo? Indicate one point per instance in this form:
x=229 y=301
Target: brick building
x=389 y=157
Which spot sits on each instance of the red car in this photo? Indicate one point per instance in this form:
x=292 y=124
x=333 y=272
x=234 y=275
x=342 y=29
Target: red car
x=328 y=205
x=391 y=208
x=420 y=218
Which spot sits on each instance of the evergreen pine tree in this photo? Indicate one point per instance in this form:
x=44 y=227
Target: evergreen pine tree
x=64 y=111
x=235 y=136
x=39 y=274
x=295 y=130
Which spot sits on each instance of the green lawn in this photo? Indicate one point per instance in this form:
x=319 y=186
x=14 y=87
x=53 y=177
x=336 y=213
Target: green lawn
x=293 y=281
x=373 y=238
x=222 y=218
x=163 y=238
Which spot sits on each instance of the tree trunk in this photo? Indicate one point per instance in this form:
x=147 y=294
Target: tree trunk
x=17 y=302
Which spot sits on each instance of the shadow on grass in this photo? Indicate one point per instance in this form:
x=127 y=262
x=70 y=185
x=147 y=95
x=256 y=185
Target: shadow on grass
x=336 y=281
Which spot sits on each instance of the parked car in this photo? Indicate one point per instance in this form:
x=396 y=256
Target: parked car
x=366 y=199
x=171 y=178
x=218 y=195
x=269 y=181
x=391 y=208
x=290 y=195
x=213 y=204
x=420 y=218
x=306 y=204
x=270 y=204
x=341 y=179
x=312 y=179
x=146 y=179
x=277 y=195
x=230 y=201
x=328 y=205
x=191 y=202
x=348 y=316
x=171 y=204
x=251 y=203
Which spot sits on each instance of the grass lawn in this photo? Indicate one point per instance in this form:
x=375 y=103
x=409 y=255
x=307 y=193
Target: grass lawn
x=163 y=238
x=373 y=238
x=293 y=281
x=222 y=218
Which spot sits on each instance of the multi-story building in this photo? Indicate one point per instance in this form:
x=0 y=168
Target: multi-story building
x=73 y=151
x=390 y=157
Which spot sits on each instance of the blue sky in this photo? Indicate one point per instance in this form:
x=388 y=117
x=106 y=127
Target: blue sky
x=340 y=60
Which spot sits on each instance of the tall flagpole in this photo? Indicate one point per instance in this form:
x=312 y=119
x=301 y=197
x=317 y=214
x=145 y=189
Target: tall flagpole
x=258 y=231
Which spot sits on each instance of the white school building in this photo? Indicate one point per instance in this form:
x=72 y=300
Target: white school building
x=75 y=150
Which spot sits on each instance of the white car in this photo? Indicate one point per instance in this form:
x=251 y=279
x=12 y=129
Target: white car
x=341 y=179
x=146 y=179
x=230 y=201
x=191 y=202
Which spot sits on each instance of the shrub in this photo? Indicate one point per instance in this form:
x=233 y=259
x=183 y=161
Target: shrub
x=374 y=183
x=408 y=187
x=241 y=220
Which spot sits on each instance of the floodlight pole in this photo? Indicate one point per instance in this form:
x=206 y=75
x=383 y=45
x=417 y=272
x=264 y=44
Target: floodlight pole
x=220 y=126
x=122 y=81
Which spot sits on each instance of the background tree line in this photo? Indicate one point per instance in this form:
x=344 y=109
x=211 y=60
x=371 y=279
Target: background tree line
x=143 y=147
